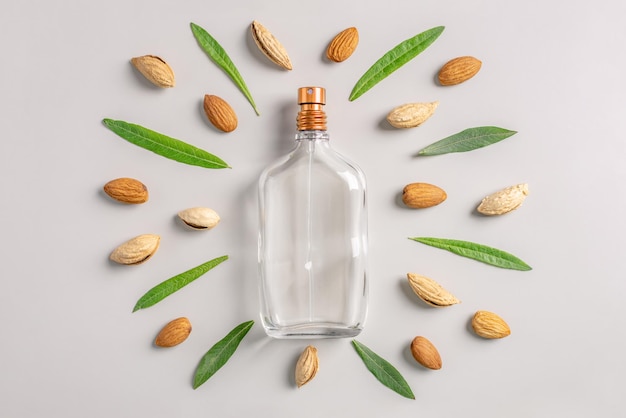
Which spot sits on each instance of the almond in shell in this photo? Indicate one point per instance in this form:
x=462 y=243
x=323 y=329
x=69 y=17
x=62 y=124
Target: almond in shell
x=127 y=190
x=430 y=291
x=458 y=70
x=504 y=201
x=199 y=218
x=136 y=250
x=270 y=46
x=174 y=333
x=220 y=113
x=411 y=115
x=422 y=195
x=343 y=45
x=307 y=366
x=155 y=70
x=489 y=325
x=425 y=353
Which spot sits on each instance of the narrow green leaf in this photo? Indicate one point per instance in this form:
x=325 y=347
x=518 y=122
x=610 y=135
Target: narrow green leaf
x=217 y=53
x=394 y=59
x=171 y=285
x=477 y=252
x=383 y=371
x=220 y=353
x=467 y=140
x=165 y=146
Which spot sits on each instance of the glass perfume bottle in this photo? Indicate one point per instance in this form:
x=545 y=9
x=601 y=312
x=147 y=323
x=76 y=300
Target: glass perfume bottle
x=312 y=235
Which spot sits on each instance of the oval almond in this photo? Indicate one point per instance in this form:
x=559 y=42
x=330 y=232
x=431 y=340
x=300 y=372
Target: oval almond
x=174 y=333
x=220 y=113
x=199 y=218
x=127 y=190
x=343 y=45
x=425 y=353
x=489 y=325
x=422 y=195
x=136 y=250
x=430 y=291
x=458 y=70
x=155 y=70
x=411 y=115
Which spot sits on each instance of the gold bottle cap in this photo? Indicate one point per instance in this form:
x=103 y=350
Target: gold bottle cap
x=312 y=95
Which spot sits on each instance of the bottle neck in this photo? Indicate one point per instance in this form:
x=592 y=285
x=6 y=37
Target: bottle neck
x=312 y=135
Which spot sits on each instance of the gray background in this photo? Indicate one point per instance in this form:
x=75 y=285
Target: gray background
x=553 y=71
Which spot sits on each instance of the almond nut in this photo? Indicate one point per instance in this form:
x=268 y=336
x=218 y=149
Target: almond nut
x=422 y=195
x=459 y=70
x=489 y=325
x=343 y=45
x=174 y=333
x=430 y=291
x=425 y=353
x=199 y=218
x=127 y=190
x=504 y=201
x=136 y=250
x=220 y=114
x=270 y=46
x=411 y=115
x=155 y=70
x=307 y=366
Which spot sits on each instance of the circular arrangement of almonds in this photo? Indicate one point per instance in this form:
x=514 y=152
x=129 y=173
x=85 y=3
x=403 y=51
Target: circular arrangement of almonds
x=417 y=195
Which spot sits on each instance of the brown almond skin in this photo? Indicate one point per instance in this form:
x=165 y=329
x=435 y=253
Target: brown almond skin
x=422 y=195
x=220 y=113
x=425 y=353
x=127 y=190
x=343 y=45
x=458 y=70
x=174 y=333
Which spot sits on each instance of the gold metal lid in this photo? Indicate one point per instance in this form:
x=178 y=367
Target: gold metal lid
x=311 y=115
x=312 y=95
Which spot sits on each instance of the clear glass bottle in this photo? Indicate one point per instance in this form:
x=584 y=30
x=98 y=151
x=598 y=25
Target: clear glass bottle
x=313 y=235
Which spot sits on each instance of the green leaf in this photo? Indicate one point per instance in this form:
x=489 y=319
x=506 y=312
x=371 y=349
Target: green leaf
x=394 y=59
x=220 y=353
x=383 y=370
x=467 y=140
x=166 y=288
x=217 y=53
x=478 y=252
x=165 y=146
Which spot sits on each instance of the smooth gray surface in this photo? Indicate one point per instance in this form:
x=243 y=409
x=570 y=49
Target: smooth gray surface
x=554 y=71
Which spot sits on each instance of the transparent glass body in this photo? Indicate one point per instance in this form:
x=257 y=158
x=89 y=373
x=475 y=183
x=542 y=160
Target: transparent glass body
x=313 y=243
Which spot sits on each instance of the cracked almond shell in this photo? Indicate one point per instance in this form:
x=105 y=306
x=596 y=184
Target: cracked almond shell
x=270 y=46
x=430 y=291
x=155 y=70
x=199 y=218
x=136 y=250
x=504 y=201
x=307 y=366
x=411 y=115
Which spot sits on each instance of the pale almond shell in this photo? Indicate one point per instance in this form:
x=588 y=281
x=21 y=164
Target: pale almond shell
x=174 y=333
x=270 y=46
x=459 y=70
x=155 y=70
x=411 y=115
x=307 y=366
x=430 y=291
x=199 y=218
x=136 y=250
x=489 y=325
x=343 y=45
x=220 y=113
x=504 y=201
